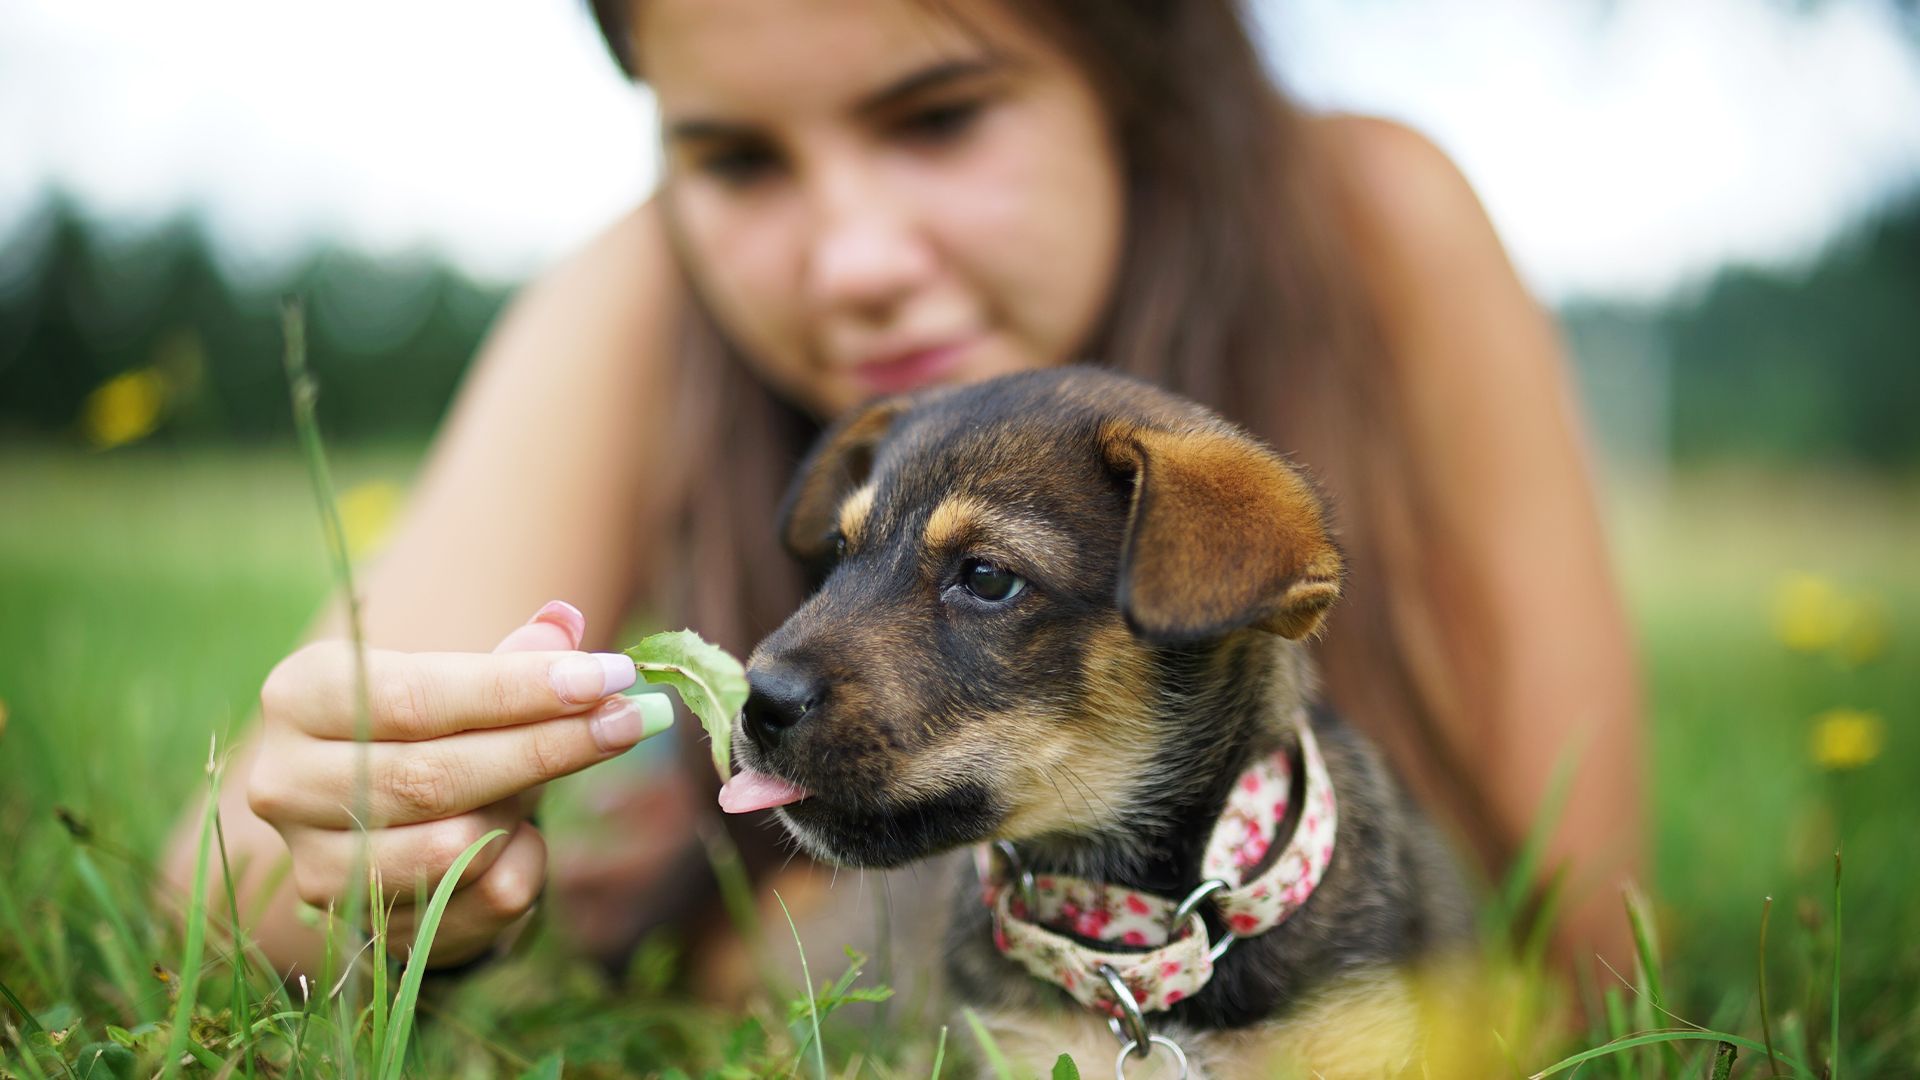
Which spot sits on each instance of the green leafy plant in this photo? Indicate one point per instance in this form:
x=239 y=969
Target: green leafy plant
x=707 y=678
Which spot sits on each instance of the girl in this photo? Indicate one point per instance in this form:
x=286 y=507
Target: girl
x=864 y=197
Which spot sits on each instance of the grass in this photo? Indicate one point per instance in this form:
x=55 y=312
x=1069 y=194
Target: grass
x=144 y=594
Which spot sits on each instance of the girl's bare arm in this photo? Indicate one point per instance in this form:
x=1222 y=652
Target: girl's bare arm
x=1515 y=594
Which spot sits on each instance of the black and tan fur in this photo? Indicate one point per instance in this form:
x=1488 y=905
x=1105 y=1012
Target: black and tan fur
x=1173 y=567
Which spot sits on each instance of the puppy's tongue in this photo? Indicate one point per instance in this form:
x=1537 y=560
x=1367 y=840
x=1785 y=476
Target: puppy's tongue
x=748 y=791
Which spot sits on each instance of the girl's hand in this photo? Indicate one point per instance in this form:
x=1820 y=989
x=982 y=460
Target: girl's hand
x=459 y=745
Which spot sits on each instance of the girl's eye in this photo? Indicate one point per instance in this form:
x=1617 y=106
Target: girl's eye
x=739 y=165
x=940 y=122
x=994 y=584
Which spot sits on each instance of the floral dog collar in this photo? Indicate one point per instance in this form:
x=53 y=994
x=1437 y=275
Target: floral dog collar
x=1157 y=950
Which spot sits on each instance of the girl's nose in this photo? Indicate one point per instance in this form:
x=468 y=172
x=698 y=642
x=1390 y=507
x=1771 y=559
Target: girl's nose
x=867 y=252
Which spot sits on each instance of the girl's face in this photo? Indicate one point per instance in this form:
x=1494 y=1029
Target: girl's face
x=874 y=196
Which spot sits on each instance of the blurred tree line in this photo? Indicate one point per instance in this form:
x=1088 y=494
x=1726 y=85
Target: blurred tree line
x=1819 y=363
x=388 y=337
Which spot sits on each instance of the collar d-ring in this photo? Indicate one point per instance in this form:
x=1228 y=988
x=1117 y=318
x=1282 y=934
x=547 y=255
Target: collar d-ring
x=1179 y=1055
x=1191 y=903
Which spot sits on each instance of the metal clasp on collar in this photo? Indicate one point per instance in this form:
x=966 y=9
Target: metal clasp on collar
x=1135 y=1039
x=1179 y=1056
x=1185 y=911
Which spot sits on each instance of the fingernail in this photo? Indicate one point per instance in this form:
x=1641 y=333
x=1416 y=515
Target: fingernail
x=563 y=615
x=624 y=721
x=581 y=679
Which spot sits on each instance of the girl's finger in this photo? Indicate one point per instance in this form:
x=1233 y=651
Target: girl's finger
x=410 y=859
x=411 y=782
x=416 y=696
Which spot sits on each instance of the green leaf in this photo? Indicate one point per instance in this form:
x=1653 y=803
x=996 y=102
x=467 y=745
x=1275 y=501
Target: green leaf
x=106 y=1061
x=707 y=678
x=547 y=1068
x=1065 y=1069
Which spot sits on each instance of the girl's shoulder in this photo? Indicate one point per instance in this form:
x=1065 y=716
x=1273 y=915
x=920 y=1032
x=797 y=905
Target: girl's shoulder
x=623 y=278
x=1397 y=190
x=1424 y=247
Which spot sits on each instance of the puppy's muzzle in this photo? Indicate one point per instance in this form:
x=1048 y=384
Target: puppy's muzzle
x=780 y=696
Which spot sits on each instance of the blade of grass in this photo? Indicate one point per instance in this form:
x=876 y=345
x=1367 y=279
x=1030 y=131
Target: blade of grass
x=453 y=1023
x=1833 y=1045
x=379 y=1003
x=10 y=918
x=241 y=969
x=393 y=1055
x=33 y=1028
x=813 y=1008
x=305 y=392
x=1766 y=1024
x=124 y=945
x=1533 y=951
x=1646 y=947
x=1657 y=1038
x=1526 y=862
x=32 y=1063
x=142 y=996
x=995 y=1059
x=207 y=1058
x=178 y=1036
x=939 y=1053
x=736 y=895
x=26 y=1015
x=306 y=1022
x=1617 y=1028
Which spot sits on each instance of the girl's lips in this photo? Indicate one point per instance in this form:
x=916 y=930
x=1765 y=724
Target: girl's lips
x=910 y=371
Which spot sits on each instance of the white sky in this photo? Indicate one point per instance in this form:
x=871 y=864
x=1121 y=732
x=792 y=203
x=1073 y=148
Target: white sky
x=1625 y=147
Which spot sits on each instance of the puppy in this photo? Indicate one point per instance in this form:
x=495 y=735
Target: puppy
x=1060 y=621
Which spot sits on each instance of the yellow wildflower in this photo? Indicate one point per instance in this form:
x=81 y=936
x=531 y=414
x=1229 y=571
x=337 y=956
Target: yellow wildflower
x=1809 y=613
x=367 y=514
x=124 y=409
x=1846 y=738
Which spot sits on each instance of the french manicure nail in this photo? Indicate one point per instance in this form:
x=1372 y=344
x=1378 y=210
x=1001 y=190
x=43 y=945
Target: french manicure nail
x=624 y=721
x=580 y=679
x=563 y=615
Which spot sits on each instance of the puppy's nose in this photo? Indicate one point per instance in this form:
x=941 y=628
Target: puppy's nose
x=779 y=697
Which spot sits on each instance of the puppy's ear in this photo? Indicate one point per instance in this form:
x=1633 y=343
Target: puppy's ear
x=1223 y=534
x=837 y=464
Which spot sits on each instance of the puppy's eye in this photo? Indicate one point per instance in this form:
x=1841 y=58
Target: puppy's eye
x=839 y=546
x=994 y=584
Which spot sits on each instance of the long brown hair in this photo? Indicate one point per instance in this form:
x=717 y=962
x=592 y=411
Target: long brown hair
x=1236 y=288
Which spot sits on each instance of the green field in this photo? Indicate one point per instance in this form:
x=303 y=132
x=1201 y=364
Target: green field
x=144 y=594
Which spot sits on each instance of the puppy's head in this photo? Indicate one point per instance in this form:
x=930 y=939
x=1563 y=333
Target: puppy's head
x=1011 y=574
